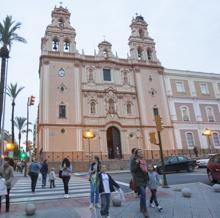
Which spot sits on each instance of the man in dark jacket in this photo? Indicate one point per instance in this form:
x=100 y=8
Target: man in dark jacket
x=106 y=186
x=44 y=171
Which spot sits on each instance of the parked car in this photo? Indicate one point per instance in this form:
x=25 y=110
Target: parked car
x=176 y=163
x=213 y=168
x=203 y=162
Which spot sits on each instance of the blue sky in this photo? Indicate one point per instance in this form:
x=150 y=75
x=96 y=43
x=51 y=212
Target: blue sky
x=186 y=33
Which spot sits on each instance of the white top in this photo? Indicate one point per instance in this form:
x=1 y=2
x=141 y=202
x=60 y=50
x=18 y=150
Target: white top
x=105 y=180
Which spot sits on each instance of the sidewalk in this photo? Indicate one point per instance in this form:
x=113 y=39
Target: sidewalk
x=204 y=203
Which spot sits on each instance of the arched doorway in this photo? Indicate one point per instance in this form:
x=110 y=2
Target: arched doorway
x=114 y=143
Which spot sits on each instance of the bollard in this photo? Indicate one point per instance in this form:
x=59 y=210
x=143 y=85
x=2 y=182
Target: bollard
x=30 y=209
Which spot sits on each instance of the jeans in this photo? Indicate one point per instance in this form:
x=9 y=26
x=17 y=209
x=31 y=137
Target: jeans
x=52 y=183
x=34 y=177
x=105 y=204
x=44 y=179
x=154 y=196
x=66 y=180
x=94 y=193
x=142 y=194
x=6 y=199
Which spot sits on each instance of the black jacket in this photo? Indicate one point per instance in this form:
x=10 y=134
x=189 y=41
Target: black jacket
x=112 y=184
x=44 y=168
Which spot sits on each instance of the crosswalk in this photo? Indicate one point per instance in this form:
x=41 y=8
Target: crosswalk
x=21 y=191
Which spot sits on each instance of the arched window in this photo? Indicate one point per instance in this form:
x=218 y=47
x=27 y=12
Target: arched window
x=215 y=137
x=185 y=113
x=61 y=22
x=149 y=54
x=111 y=106
x=210 y=114
x=140 y=53
x=190 y=139
x=105 y=53
x=55 y=44
x=141 y=33
x=92 y=107
x=128 y=108
x=66 y=46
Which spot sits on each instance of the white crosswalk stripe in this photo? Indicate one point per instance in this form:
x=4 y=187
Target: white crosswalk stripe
x=21 y=191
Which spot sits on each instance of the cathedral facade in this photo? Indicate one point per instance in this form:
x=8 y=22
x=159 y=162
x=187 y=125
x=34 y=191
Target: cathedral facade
x=115 y=98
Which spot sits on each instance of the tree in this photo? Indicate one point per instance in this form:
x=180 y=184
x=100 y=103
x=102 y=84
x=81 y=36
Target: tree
x=20 y=123
x=8 y=35
x=12 y=92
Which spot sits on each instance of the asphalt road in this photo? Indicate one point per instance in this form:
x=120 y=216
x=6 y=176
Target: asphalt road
x=199 y=175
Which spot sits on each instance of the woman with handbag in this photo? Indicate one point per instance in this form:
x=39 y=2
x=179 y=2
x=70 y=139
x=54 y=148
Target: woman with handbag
x=6 y=172
x=65 y=173
x=140 y=176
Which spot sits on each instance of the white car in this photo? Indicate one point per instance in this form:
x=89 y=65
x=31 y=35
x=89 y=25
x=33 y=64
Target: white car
x=203 y=162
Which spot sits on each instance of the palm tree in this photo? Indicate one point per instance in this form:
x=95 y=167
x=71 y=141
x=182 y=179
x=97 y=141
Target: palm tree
x=8 y=35
x=13 y=91
x=20 y=123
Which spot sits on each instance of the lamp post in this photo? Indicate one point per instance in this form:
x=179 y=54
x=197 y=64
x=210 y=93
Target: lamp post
x=207 y=132
x=88 y=134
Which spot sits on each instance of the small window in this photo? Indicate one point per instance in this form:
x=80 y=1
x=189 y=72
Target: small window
x=62 y=111
x=215 y=137
x=55 y=45
x=190 y=139
x=140 y=53
x=210 y=114
x=107 y=74
x=66 y=46
x=141 y=33
x=180 y=87
x=204 y=88
x=92 y=107
x=185 y=113
x=182 y=158
x=149 y=54
x=129 y=108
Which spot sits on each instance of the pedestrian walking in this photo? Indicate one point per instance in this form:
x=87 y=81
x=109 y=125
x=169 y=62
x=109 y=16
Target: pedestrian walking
x=44 y=171
x=34 y=170
x=6 y=172
x=52 y=178
x=94 y=171
x=66 y=171
x=106 y=186
x=140 y=176
x=153 y=185
x=195 y=150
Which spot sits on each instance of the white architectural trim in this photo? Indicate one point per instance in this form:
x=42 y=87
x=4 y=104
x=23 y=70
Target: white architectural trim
x=46 y=93
x=77 y=96
x=178 y=138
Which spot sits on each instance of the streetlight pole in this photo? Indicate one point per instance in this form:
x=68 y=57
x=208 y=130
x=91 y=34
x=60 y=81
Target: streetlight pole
x=207 y=132
x=159 y=128
x=88 y=134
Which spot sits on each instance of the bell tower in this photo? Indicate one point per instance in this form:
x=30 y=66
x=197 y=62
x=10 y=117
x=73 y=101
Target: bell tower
x=142 y=47
x=59 y=35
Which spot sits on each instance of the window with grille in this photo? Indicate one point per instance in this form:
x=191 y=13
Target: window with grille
x=92 y=107
x=129 y=108
x=190 y=139
x=215 y=137
x=62 y=111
